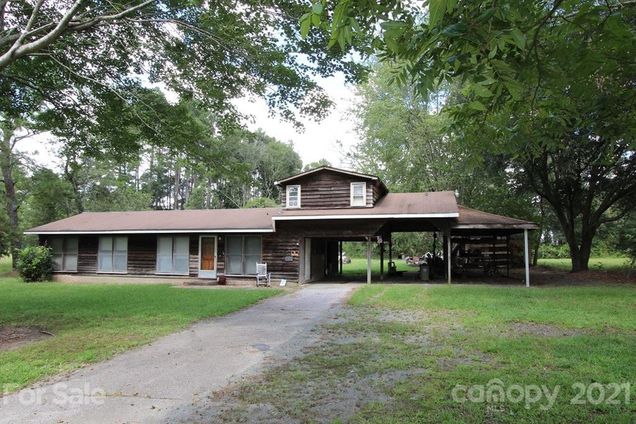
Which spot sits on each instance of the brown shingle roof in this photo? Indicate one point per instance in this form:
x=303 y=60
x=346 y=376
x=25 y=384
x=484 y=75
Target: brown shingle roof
x=210 y=220
x=441 y=204
x=436 y=203
x=473 y=218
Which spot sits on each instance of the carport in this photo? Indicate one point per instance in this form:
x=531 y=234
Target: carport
x=322 y=234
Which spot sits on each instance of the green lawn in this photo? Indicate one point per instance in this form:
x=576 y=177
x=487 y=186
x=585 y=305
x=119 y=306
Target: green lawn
x=358 y=267
x=93 y=322
x=595 y=264
x=398 y=351
x=5 y=264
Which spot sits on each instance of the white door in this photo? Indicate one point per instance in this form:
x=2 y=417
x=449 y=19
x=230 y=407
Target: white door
x=207 y=256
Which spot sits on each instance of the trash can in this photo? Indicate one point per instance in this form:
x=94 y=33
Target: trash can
x=424 y=272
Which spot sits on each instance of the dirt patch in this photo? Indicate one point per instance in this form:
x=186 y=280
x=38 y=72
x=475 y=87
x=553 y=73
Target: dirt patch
x=543 y=330
x=13 y=337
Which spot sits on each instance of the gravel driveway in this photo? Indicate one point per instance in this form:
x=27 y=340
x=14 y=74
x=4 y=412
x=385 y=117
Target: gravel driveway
x=165 y=378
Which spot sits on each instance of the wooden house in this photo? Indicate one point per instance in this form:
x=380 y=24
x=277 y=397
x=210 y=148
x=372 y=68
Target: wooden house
x=299 y=241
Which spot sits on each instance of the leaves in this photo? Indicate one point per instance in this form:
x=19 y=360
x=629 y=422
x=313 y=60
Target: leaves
x=477 y=105
x=436 y=11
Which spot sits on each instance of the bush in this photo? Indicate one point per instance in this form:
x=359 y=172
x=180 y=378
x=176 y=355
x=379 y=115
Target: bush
x=554 y=251
x=35 y=263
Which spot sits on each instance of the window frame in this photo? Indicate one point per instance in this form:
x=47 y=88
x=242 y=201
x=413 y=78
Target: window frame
x=287 y=189
x=112 y=254
x=173 y=270
x=243 y=255
x=352 y=202
x=65 y=252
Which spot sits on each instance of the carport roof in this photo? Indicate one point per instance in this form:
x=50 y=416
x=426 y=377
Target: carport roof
x=475 y=219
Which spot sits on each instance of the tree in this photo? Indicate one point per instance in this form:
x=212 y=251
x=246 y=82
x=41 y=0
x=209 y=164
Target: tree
x=72 y=54
x=261 y=202
x=273 y=160
x=317 y=164
x=49 y=198
x=546 y=84
x=405 y=140
x=11 y=172
x=627 y=238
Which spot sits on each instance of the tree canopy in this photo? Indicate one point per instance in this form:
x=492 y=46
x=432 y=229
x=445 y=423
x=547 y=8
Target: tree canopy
x=550 y=86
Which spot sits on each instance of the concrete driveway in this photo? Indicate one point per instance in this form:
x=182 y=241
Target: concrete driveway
x=165 y=378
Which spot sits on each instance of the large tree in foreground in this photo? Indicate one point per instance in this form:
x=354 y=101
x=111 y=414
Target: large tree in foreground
x=549 y=84
x=81 y=68
x=66 y=52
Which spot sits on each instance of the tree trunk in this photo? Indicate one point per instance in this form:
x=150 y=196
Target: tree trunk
x=535 y=257
x=573 y=242
x=11 y=200
x=535 y=254
x=177 y=185
x=71 y=177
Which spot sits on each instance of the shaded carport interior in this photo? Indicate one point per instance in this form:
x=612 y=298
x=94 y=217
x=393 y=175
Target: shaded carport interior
x=322 y=241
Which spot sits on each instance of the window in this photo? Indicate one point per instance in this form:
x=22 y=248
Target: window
x=173 y=255
x=64 y=253
x=293 y=196
x=241 y=254
x=112 y=255
x=358 y=194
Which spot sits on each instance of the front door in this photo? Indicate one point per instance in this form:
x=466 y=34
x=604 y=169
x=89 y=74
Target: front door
x=207 y=257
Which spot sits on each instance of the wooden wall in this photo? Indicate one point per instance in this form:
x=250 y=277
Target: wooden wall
x=142 y=255
x=326 y=189
x=281 y=253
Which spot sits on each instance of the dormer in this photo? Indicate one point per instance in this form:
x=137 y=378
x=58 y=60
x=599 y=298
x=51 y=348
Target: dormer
x=327 y=188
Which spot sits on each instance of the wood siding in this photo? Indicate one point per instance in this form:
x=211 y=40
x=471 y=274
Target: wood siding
x=142 y=255
x=328 y=189
x=281 y=253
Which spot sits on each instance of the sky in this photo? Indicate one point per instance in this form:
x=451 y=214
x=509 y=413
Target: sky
x=317 y=141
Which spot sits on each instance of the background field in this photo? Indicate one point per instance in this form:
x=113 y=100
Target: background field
x=598 y=263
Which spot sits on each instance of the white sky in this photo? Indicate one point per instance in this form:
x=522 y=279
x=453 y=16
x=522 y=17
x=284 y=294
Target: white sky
x=317 y=141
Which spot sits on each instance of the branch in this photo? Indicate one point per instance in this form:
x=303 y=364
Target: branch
x=66 y=24
x=90 y=23
x=18 y=50
x=3 y=5
x=112 y=90
x=17 y=138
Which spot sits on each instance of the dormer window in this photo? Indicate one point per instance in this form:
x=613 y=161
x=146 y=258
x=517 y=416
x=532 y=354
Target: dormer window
x=358 y=194
x=293 y=196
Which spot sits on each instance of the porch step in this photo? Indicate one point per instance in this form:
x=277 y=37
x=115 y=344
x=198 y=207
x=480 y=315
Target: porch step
x=200 y=282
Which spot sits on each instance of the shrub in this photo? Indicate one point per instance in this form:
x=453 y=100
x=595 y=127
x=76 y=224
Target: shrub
x=35 y=263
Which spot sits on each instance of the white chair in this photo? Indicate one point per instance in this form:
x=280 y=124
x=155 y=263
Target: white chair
x=263 y=278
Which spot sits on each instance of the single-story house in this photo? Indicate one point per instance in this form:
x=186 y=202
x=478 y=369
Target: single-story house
x=299 y=241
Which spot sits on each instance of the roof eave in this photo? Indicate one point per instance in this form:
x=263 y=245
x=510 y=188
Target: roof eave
x=526 y=226
x=326 y=168
x=163 y=231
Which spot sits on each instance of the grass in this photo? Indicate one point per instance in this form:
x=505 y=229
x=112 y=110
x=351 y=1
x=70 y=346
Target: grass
x=398 y=351
x=595 y=264
x=5 y=265
x=358 y=267
x=94 y=322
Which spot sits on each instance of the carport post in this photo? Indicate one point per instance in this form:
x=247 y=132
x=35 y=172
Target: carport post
x=368 y=260
x=382 y=260
x=526 y=256
x=449 y=259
